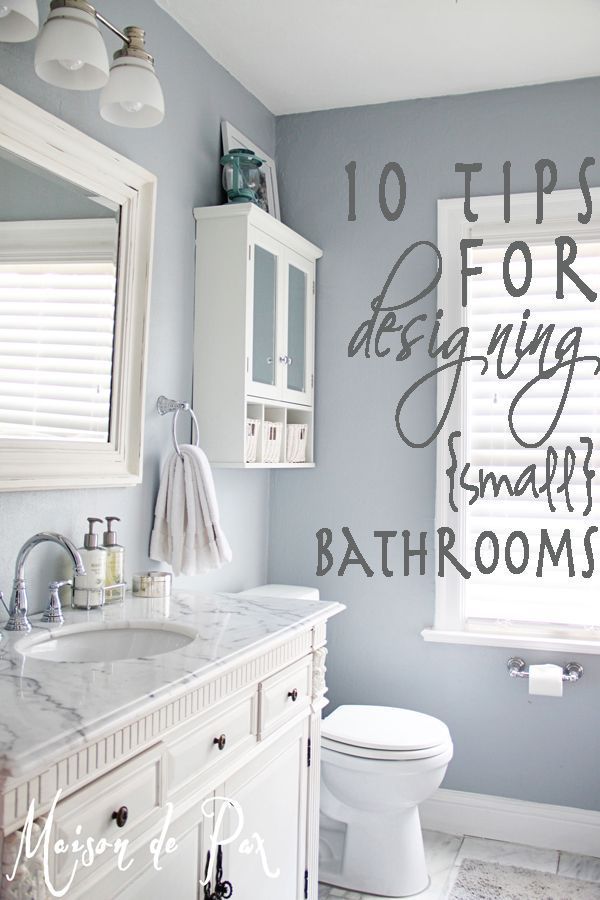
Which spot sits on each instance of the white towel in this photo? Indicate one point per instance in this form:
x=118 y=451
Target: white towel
x=187 y=533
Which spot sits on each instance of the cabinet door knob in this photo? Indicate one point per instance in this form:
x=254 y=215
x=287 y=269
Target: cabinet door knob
x=220 y=741
x=121 y=815
x=283 y=360
x=293 y=694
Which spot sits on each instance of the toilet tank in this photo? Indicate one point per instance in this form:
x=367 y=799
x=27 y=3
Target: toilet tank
x=286 y=591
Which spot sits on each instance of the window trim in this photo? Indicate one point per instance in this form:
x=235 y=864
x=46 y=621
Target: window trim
x=59 y=240
x=511 y=639
x=560 y=217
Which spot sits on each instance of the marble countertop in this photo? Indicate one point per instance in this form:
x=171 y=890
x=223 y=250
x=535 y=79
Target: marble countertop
x=50 y=708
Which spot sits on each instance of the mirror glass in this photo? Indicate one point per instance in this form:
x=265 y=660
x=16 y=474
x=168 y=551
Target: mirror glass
x=58 y=289
x=264 y=316
x=296 y=329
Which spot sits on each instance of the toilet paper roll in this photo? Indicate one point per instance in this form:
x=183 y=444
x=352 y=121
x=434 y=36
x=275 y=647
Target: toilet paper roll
x=546 y=680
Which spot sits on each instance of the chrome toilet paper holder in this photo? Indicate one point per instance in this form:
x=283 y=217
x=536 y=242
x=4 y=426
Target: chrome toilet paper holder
x=517 y=668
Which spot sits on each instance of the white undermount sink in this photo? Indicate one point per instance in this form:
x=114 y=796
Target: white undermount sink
x=105 y=642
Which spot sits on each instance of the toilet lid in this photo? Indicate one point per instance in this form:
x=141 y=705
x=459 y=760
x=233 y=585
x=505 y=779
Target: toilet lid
x=384 y=728
x=388 y=755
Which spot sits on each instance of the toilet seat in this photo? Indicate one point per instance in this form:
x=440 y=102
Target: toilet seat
x=384 y=732
x=370 y=753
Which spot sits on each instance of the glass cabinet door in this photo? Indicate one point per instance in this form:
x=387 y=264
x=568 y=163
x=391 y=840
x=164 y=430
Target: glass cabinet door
x=296 y=329
x=297 y=384
x=264 y=318
x=280 y=355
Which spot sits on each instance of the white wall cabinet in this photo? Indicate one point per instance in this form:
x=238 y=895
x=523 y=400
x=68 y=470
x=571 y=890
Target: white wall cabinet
x=254 y=335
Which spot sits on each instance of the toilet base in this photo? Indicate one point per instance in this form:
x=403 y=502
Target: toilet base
x=380 y=854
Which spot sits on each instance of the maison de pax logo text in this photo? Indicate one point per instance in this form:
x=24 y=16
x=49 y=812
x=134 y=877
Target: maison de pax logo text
x=38 y=842
x=400 y=328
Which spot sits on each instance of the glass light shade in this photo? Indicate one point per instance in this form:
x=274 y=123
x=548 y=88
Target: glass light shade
x=19 y=20
x=133 y=96
x=70 y=52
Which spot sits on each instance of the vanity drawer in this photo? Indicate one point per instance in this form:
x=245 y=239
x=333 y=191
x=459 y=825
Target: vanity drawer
x=283 y=695
x=133 y=792
x=193 y=750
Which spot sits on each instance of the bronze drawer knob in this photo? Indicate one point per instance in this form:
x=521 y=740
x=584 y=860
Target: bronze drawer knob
x=121 y=815
x=293 y=694
x=220 y=741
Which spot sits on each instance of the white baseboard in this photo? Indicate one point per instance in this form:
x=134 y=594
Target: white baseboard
x=518 y=821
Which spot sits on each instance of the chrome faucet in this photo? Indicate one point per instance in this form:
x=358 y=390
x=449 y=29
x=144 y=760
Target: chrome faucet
x=17 y=613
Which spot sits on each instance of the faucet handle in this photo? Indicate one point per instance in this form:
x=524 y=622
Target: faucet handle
x=53 y=611
x=4 y=604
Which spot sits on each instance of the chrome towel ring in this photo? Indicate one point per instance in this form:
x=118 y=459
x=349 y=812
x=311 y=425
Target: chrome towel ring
x=164 y=406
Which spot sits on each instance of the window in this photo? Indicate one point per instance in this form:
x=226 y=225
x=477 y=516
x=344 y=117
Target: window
x=526 y=554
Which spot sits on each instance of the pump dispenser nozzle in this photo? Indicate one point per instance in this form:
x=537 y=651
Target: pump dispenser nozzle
x=109 y=537
x=90 y=540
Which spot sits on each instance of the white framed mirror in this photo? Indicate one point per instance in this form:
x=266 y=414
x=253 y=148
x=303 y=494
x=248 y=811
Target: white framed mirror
x=76 y=236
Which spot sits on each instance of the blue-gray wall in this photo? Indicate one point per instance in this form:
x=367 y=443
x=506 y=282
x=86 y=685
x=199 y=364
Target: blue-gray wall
x=29 y=193
x=506 y=743
x=184 y=153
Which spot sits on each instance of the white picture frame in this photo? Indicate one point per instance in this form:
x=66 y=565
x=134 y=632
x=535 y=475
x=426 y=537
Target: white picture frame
x=233 y=138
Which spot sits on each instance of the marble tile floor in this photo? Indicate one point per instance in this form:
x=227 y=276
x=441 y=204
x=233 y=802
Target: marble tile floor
x=445 y=852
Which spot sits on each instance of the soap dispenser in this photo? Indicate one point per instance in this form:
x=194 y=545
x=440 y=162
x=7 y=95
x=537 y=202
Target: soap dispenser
x=88 y=589
x=115 y=563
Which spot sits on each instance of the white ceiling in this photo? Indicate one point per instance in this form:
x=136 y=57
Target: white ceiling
x=322 y=54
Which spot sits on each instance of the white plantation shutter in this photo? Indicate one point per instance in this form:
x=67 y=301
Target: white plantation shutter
x=57 y=313
x=554 y=599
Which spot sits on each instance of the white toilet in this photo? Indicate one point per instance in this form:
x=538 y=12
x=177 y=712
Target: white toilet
x=378 y=764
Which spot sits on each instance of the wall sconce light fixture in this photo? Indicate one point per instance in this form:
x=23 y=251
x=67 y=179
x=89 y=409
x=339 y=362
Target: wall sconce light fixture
x=71 y=54
x=19 y=20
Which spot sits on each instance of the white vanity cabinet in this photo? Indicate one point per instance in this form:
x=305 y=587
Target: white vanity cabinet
x=270 y=859
x=229 y=759
x=173 y=878
x=254 y=334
